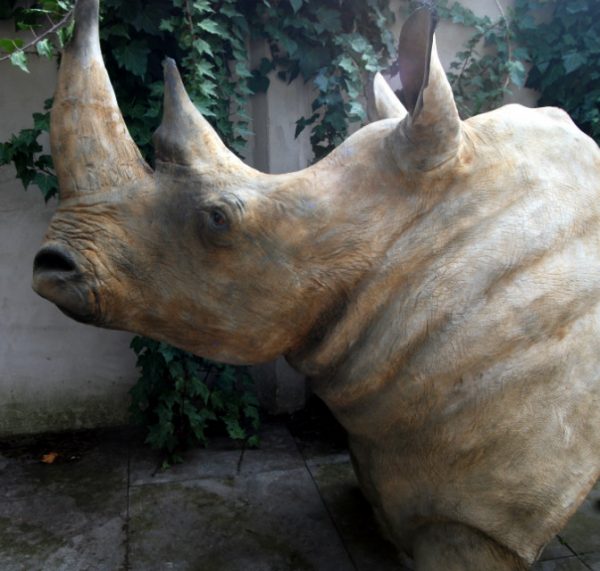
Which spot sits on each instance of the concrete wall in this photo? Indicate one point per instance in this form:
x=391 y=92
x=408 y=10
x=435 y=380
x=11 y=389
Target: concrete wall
x=56 y=374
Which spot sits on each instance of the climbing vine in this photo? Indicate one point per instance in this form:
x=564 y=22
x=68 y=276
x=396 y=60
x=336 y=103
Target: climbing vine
x=489 y=64
x=558 y=41
x=337 y=45
x=562 y=40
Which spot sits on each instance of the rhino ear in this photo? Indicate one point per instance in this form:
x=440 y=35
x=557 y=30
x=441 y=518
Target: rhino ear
x=387 y=105
x=431 y=133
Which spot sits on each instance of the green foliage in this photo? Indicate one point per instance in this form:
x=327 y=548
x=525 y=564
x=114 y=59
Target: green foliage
x=336 y=44
x=24 y=151
x=212 y=39
x=563 y=44
x=47 y=21
x=560 y=41
x=180 y=397
x=489 y=62
x=49 y=24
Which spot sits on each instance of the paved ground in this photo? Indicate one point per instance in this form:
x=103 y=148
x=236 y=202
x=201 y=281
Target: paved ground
x=291 y=505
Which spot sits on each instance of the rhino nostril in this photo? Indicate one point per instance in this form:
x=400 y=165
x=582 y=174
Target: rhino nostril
x=53 y=259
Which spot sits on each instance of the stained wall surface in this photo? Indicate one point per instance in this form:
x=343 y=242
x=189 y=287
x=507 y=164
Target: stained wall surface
x=56 y=374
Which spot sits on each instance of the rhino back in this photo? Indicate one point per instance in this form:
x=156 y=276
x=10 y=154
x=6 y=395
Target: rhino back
x=471 y=369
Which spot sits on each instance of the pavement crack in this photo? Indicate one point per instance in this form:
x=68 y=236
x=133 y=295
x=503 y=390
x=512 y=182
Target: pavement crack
x=584 y=563
x=241 y=458
x=332 y=519
x=126 y=561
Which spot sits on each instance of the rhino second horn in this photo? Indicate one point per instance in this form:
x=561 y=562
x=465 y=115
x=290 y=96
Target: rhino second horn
x=185 y=137
x=91 y=146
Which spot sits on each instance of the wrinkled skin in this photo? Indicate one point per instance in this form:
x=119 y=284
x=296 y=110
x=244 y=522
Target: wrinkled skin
x=438 y=281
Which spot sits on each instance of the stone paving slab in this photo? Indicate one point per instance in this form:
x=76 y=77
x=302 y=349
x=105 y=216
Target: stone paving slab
x=66 y=516
x=64 y=532
x=292 y=505
x=232 y=510
x=353 y=516
x=582 y=533
x=86 y=462
x=270 y=521
x=223 y=459
x=592 y=560
x=563 y=564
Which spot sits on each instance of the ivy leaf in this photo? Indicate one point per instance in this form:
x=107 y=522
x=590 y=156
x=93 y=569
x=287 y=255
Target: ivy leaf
x=65 y=33
x=575 y=6
x=347 y=64
x=212 y=27
x=296 y=5
x=150 y=17
x=517 y=73
x=573 y=61
x=205 y=68
x=234 y=430
x=19 y=59
x=9 y=45
x=117 y=30
x=328 y=20
x=202 y=47
x=44 y=48
x=41 y=121
x=48 y=184
x=358 y=43
x=203 y=6
x=133 y=57
x=258 y=83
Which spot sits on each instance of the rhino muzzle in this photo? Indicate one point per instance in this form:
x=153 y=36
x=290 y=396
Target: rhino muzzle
x=57 y=276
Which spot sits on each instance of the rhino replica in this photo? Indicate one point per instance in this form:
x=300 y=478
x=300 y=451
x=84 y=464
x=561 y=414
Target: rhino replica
x=438 y=281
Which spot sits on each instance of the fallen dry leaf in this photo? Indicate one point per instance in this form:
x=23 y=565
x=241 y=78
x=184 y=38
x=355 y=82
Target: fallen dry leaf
x=49 y=458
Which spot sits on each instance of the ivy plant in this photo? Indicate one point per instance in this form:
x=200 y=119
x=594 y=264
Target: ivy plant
x=562 y=40
x=489 y=63
x=180 y=397
x=335 y=44
x=48 y=23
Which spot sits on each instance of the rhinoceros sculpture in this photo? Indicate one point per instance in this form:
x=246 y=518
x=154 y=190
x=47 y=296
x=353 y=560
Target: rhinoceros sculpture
x=438 y=280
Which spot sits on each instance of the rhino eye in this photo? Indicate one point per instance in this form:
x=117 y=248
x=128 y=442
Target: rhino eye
x=218 y=220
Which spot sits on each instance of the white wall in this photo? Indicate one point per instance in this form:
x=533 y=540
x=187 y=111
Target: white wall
x=56 y=374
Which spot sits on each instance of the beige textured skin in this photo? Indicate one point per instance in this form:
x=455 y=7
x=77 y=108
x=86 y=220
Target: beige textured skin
x=438 y=280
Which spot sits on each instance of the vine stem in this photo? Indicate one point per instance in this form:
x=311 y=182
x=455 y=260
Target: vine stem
x=39 y=38
x=508 y=44
x=190 y=21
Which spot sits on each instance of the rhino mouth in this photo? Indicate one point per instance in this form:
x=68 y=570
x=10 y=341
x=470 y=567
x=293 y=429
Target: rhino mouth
x=58 y=278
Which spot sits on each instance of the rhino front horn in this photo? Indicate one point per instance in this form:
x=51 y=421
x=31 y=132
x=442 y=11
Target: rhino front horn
x=431 y=134
x=91 y=146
